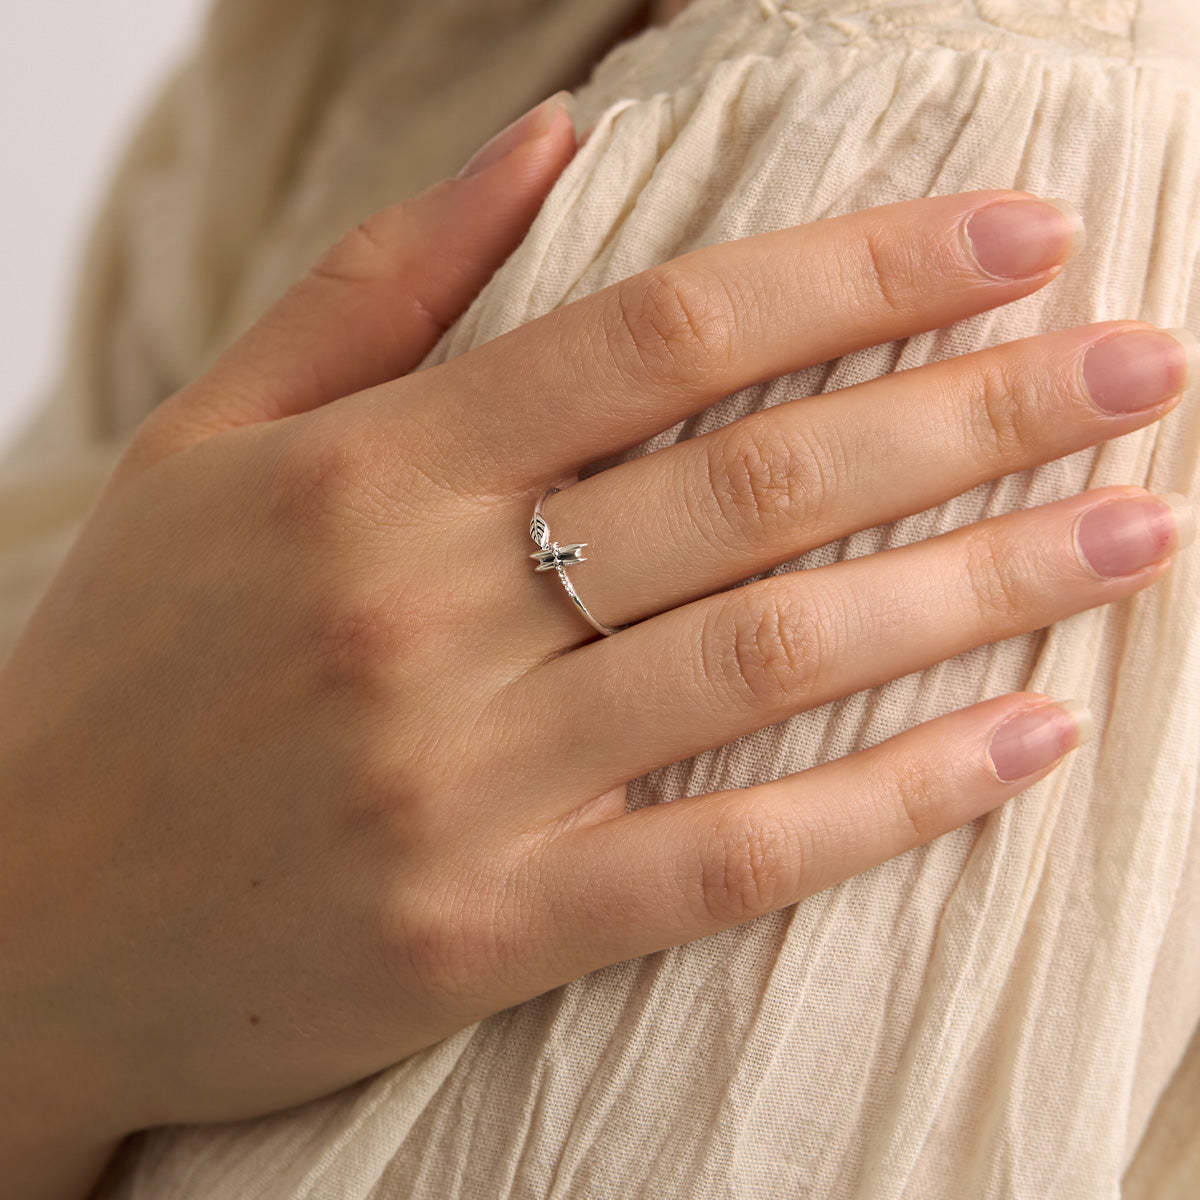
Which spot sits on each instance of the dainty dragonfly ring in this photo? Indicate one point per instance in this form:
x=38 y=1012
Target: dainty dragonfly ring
x=553 y=556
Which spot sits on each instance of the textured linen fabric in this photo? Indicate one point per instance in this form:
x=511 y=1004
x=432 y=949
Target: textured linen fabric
x=1005 y=1012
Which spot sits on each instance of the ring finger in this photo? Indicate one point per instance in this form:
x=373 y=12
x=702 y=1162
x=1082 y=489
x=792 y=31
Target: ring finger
x=710 y=672
x=689 y=520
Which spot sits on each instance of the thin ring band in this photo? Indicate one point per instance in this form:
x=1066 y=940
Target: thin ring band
x=551 y=556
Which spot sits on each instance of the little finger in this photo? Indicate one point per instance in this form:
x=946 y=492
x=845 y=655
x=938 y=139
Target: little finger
x=671 y=873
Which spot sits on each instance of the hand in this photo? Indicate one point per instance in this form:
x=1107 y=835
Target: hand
x=308 y=767
x=372 y=308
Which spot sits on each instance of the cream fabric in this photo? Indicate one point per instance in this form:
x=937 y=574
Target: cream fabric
x=996 y=1014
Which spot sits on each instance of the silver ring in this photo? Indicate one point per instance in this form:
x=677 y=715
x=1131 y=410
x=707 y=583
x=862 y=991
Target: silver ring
x=551 y=556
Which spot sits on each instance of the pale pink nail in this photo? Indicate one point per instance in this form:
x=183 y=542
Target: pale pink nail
x=1017 y=238
x=1138 y=369
x=1123 y=536
x=1032 y=741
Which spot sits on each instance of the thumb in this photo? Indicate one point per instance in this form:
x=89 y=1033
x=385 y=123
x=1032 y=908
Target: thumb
x=379 y=300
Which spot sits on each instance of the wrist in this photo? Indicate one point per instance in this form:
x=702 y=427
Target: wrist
x=58 y=1129
x=49 y=1162
x=58 y=1125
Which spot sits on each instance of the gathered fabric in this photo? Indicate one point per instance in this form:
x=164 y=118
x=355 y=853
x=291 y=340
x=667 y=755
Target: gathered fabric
x=1009 y=1011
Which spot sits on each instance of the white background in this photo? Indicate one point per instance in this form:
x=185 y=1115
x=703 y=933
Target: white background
x=74 y=75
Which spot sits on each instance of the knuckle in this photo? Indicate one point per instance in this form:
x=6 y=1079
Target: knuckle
x=912 y=787
x=749 y=866
x=370 y=641
x=766 y=651
x=996 y=579
x=359 y=644
x=763 y=485
x=887 y=265
x=165 y=429
x=321 y=474
x=342 y=465
x=442 y=943
x=673 y=324
x=369 y=250
x=1007 y=422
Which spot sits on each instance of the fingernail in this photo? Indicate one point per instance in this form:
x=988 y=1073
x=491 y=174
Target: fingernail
x=1018 y=238
x=524 y=129
x=1140 y=369
x=1191 y=347
x=1032 y=741
x=1123 y=536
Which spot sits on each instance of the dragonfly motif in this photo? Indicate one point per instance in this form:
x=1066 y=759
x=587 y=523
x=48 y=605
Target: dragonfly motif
x=554 y=557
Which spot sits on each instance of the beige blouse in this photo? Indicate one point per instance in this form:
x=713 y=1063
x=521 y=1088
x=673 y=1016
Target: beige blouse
x=1003 y=1013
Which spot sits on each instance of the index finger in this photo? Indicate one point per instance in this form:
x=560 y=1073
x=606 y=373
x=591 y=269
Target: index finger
x=604 y=373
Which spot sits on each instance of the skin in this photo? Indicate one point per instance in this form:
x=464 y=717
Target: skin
x=325 y=771
x=665 y=11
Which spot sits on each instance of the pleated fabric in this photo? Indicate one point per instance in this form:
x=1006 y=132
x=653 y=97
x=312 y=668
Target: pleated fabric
x=1005 y=1012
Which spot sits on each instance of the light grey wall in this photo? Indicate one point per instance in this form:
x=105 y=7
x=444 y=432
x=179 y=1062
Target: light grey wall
x=73 y=75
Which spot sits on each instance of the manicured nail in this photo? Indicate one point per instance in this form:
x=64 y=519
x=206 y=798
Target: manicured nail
x=1032 y=741
x=1017 y=238
x=524 y=129
x=1140 y=368
x=1123 y=536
